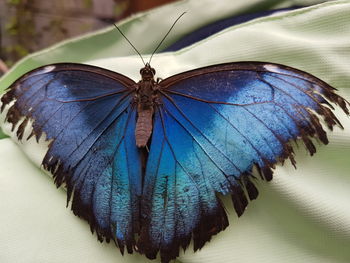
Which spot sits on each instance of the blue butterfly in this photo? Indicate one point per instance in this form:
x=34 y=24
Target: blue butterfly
x=144 y=162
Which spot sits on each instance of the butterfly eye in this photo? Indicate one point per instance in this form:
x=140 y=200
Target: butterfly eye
x=153 y=71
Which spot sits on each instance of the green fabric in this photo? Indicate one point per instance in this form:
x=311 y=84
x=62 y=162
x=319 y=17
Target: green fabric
x=301 y=216
x=2 y=135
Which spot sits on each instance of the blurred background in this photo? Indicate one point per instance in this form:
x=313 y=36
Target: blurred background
x=30 y=25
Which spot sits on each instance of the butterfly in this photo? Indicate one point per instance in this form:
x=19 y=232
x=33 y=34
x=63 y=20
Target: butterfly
x=144 y=163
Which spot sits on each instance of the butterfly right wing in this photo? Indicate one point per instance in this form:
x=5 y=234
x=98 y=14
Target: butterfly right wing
x=87 y=114
x=211 y=127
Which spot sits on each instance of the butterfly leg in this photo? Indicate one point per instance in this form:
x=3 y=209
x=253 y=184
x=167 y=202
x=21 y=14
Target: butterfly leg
x=156 y=90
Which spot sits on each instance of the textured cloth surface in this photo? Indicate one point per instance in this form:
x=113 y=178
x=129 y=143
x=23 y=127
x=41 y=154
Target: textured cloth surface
x=303 y=215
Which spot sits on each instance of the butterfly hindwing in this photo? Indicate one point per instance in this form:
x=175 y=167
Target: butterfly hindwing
x=87 y=114
x=176 y=196
x=212 y=127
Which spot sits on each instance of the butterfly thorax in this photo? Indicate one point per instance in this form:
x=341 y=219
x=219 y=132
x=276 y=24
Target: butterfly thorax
x=146 y=94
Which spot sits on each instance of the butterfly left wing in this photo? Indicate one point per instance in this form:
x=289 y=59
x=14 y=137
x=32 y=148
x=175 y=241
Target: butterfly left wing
x=87 y=115
x=210 y=128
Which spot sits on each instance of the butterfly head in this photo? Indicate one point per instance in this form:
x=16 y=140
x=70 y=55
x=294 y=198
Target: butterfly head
x=147 y=72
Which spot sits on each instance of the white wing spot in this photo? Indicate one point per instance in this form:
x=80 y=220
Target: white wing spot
x=272 y=68
x=47 y=69
x=42 y=71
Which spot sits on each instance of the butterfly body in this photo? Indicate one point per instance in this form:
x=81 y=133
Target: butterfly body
x=146 y=97
x=198 y=126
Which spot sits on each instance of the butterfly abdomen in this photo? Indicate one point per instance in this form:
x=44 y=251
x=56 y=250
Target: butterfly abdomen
x=144 y=127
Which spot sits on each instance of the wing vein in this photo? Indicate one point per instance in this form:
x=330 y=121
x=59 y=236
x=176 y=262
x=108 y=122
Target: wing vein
x=96 y=139
x=184 y=115
x=173 y=152
x=208 y=101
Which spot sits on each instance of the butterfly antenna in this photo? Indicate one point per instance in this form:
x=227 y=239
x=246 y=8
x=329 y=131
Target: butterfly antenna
x=161 y=42
x=130 y=44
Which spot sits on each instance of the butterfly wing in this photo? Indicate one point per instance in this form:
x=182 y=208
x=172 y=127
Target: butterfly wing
x=211 y=127
x=87 y=114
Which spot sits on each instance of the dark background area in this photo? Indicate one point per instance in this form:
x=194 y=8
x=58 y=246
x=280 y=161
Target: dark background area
x=30 y=25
